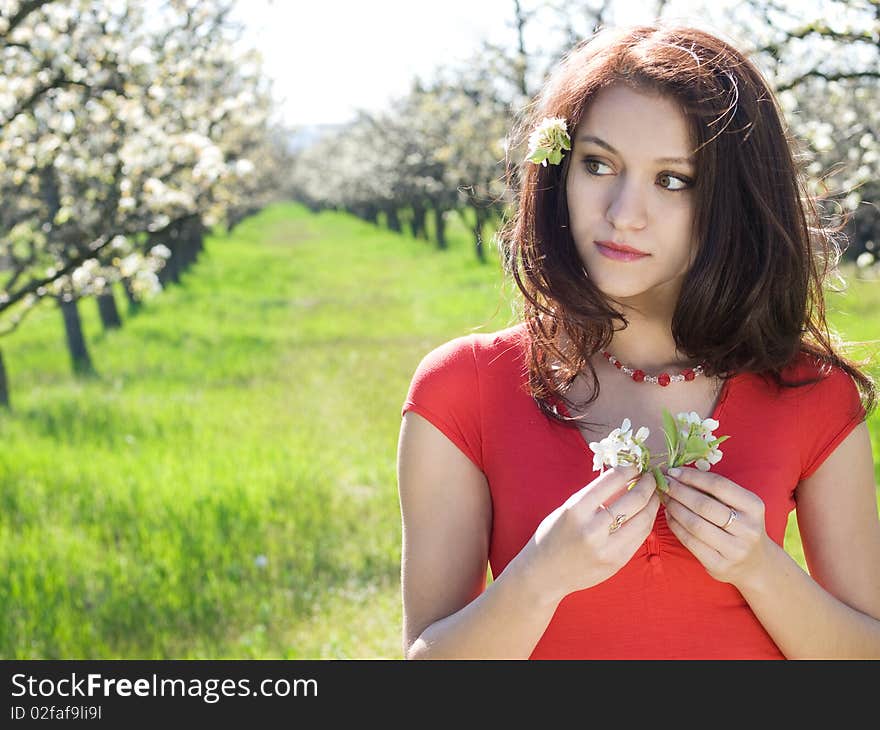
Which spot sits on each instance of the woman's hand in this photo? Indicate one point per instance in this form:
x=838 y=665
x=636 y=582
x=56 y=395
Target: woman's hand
x=593 y=533
x=720 y=522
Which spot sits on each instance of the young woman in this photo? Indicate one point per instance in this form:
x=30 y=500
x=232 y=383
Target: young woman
x=669 y=258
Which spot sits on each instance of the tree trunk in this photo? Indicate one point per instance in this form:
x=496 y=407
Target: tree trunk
x=4 y=384
x=186 y=251
x=479 y=221
x=521 y=63
x=369 y=213
x=133 y=304
x=192 y=233
x=76 y=344
x=175 y=244
x=171 y=271
x=418 y=222
x=107 y=309
x=199 y=236
x=440 y=218
x=393 y=219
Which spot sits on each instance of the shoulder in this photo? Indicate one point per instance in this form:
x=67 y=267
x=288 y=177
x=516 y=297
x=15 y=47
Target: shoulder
x=809 y=383
x=450 y=384
x=827 y=408
x=823 y=384
x=459 y=368
x=475 y=351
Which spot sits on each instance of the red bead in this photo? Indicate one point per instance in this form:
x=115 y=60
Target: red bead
x=663 y=379
x=618 y=364
x=638 y=376
x=688 y=374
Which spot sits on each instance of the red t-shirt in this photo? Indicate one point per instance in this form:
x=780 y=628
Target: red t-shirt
x=662 y=604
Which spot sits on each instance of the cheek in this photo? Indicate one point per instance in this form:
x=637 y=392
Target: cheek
x=584 y=204
x=681 y=229
x=571 y=197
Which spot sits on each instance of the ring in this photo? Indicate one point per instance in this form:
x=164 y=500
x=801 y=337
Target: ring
x=733 y=516
x=616 y=520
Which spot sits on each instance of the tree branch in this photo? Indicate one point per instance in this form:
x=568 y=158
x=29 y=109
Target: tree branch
x=842 y=76
x=26 y=8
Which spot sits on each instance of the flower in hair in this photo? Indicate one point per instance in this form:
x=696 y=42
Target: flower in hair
x=547 y=141
x=689 y=440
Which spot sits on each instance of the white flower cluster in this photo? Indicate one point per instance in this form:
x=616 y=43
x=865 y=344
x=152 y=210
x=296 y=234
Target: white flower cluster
x=691 y=425
x=94 y=277
x=621 y=447
x=142 y=115
x=548 y=141
x=689 y=440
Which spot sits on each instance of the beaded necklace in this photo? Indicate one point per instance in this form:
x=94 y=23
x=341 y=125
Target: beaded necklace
x=663 y=379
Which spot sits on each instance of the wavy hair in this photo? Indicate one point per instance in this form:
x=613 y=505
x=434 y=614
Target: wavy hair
x=753 y=300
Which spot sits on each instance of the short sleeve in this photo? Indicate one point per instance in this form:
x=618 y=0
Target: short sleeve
x=832 y=408
x=445 y=391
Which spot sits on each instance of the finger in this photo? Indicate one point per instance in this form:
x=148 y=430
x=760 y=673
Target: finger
x=635 y=499
x=718 y=486
x=706 y=554
x=699 y=527
x=702 y=503
x=604 y=487
x=637 y=525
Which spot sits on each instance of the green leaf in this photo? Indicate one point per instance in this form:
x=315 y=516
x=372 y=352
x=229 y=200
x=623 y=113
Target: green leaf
x=659 y=477
x=696 y=445
x=670 y=434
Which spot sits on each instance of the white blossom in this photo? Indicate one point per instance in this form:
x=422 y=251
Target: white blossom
x=621 y=447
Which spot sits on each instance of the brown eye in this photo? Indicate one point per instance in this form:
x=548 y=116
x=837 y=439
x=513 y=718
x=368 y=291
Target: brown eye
x=592 y=163
x=680 y=184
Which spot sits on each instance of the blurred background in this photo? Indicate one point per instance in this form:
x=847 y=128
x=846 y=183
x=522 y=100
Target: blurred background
x=229 y=231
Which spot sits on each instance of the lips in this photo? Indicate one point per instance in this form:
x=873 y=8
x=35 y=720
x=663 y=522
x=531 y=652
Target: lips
x=619 y=252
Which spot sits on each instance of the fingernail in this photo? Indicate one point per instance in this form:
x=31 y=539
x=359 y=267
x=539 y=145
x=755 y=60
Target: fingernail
x=674 y=472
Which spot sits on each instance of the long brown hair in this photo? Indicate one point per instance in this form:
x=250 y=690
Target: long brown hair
x=753 y=299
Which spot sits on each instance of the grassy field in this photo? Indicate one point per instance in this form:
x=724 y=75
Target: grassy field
x=225 y=486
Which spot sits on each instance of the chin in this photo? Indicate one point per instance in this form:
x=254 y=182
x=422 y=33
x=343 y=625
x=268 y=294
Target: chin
x=617 y=287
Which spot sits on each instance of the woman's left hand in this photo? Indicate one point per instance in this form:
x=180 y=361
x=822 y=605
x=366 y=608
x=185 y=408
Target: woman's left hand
x=720 y=522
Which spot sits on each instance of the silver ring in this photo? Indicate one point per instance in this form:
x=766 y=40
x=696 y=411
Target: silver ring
x=616 y=520
x=733 y=516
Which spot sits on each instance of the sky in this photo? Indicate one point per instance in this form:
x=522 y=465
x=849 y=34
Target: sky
x=329 y=58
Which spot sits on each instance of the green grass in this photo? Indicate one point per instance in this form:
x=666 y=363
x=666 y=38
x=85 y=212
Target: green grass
x=225 y=486
x=252 y=411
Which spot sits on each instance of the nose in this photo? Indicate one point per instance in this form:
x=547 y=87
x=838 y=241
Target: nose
x=626 y=208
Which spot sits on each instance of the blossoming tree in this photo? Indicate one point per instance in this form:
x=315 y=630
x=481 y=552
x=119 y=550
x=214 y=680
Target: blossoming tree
x=124 y=127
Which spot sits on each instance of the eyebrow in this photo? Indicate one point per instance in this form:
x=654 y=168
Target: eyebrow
x=665 y=160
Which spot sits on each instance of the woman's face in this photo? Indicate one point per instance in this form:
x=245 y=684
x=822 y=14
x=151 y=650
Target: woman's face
x=620 y=189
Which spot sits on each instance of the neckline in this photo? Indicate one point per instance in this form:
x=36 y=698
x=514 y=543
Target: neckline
x=716 y=411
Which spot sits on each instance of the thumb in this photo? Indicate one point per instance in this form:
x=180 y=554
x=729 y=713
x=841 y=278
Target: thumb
x=604 y=487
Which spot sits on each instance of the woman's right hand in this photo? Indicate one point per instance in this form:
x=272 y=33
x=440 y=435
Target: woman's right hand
x=578 y=546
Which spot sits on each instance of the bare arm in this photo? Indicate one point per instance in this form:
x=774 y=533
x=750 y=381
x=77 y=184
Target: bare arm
x=835 y=611
x=448 y=612
x=447 y=521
